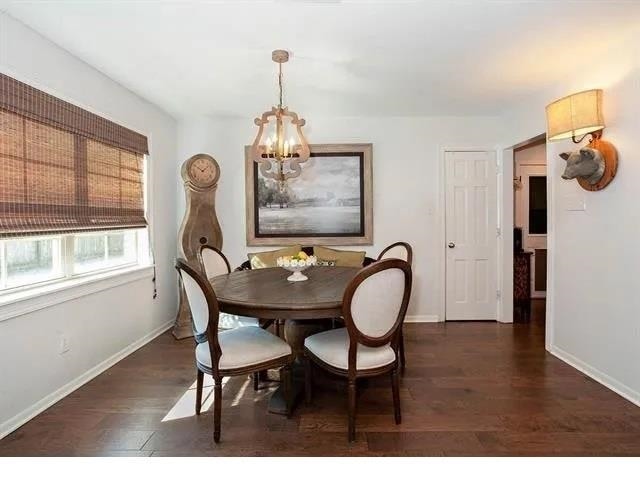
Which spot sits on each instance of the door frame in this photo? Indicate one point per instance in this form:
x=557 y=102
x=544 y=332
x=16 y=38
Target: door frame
x=526 y=236
x=505 y=210
x=442 y=205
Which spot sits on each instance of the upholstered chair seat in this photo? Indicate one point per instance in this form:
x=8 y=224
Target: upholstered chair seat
x=221 y=353
x=244 y=346
x=373 y=308
x=332 y=347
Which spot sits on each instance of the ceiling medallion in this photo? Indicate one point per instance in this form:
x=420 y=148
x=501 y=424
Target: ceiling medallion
x=280 y=146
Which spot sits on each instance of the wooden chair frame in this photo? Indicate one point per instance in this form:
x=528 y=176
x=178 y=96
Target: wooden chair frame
x=356 y=337
x=409 y=250
x=264 y=324
x=218 y=251
x=216 y=352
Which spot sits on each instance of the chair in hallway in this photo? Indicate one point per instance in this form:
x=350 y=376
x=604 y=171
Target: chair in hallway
x=374 y=306
x=226 y=353
x=403 y=251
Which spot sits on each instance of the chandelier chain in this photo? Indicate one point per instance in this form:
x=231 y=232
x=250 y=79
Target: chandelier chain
x=280 y=84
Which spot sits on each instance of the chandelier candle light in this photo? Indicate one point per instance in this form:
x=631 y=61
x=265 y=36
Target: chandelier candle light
x=280 y=146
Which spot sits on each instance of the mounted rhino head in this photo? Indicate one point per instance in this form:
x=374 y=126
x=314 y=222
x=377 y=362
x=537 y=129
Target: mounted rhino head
x=587 y=163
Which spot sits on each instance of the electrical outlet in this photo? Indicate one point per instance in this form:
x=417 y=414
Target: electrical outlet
x=63 y=345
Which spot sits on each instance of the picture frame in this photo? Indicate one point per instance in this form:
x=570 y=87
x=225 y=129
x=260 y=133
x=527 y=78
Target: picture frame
x=330 y=203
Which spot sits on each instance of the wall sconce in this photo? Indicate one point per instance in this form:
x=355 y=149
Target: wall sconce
x=580 y=114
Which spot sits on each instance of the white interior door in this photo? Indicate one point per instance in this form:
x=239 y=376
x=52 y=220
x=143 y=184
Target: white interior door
x=471 y=228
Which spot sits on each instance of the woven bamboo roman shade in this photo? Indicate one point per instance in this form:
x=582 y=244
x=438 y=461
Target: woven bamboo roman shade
x=64 y=169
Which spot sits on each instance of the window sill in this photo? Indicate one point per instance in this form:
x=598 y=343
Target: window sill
x=37 y=298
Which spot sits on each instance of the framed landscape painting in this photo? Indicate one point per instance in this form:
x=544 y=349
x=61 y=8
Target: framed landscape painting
x=330 y=203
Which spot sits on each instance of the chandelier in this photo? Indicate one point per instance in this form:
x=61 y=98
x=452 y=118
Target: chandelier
x=280 y=146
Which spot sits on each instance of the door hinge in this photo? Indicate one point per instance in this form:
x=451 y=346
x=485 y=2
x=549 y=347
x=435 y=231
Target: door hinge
x=498 y=231
x=498 y=294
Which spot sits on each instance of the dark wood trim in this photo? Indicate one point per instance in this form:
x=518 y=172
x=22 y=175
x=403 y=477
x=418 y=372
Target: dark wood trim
x=409 y=250
x=218 y=251
x=406 y=246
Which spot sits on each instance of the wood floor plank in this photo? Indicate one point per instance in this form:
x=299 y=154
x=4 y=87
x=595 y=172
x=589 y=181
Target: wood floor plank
x=470 y=388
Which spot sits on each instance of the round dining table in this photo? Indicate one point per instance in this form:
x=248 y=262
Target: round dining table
x=267 y=294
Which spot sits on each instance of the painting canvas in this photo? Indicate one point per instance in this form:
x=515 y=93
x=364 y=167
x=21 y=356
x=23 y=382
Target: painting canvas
x=328 y=204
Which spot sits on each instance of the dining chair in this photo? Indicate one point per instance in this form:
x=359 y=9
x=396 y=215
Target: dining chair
x=215 y=263
x=403 y=251
x=229 y=353
x=373 y=308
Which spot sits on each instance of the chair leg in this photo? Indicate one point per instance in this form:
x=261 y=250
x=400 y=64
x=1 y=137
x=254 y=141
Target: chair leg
x=395 y=387
x=217 y=408
x=402 y=360
x=256 y=381
x=200 y=382
x=285 y=375
x=352 y=409
x=308 y=384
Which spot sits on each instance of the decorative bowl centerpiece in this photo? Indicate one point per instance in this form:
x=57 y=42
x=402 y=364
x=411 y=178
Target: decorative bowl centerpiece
x=296 y=264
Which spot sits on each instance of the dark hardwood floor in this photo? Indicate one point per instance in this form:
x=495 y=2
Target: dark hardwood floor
x=473 y=388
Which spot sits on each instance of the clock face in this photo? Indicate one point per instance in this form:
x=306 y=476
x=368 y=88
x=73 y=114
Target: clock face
x=203 y=172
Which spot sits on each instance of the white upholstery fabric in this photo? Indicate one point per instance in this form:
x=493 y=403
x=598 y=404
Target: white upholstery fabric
x=228 y=321
x=396 y=252
x=332 y=347
x=243 y=347
x=197 y=302
x=377 y=301
x=213 y=262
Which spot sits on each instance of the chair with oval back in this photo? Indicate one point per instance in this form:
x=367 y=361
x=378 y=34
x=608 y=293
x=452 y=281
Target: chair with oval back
x=403 y=251
x=215 y=263
x=373 y=308
x=233 y=352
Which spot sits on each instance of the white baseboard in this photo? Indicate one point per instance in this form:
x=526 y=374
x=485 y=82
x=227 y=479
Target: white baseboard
x=597 y=375
x=27 y=414
x=422 y=319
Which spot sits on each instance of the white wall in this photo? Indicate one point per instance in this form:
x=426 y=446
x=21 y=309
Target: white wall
x=406 y=176
x=101 y=325
x=593 y=309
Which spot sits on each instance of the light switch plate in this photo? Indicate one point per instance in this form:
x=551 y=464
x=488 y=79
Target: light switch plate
x=575 y=202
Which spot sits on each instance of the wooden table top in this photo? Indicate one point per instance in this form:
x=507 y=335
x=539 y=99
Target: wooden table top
x=266 y=293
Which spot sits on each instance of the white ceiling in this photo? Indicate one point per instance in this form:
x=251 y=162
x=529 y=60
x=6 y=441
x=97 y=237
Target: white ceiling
x=353 y=57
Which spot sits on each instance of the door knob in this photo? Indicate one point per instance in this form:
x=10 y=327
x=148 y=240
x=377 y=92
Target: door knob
x=451 y=245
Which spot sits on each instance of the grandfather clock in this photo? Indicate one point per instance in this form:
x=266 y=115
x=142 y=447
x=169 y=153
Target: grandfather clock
x=199 y=226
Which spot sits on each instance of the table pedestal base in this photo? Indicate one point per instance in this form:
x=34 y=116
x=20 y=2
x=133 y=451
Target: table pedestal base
x=295 y=332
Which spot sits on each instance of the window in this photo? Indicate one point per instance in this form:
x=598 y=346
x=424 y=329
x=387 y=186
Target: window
x=28 y=261
x=538 y=205
x=105 y=250
x=71 y=190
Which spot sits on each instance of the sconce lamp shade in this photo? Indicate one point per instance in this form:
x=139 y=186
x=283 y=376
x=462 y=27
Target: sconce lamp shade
x=575 y=115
